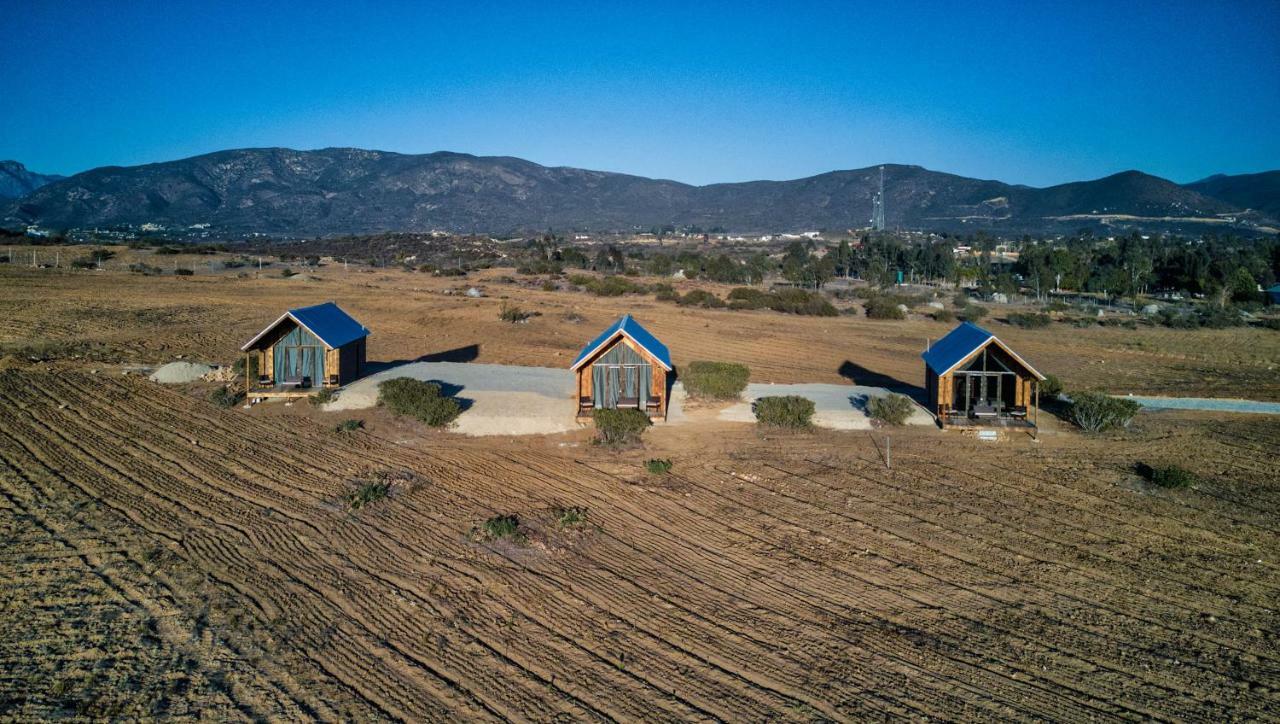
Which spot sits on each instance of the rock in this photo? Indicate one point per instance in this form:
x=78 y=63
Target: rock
x=936 y=305
x=176 y=373
x=1151 y=309
x=473 y=292
x=903 y=308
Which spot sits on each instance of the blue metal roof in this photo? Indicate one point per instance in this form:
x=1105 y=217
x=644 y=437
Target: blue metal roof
x=961 y=342
x=327 y=321
x=638 y=334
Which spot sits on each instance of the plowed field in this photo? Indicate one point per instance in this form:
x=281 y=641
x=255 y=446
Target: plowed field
x=164 y=557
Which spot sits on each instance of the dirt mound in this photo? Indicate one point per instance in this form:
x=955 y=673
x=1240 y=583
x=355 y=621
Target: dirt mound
x=176 y=373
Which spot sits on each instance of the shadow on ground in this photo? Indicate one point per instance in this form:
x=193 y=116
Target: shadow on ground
x=468 y=353
x=863 y=377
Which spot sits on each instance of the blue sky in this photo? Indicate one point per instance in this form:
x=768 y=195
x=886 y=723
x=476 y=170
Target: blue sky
x=1035 y=93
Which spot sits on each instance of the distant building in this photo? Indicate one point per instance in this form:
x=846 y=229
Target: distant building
x=1273 y=294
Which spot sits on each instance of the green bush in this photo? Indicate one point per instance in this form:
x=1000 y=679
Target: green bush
x=366 y=494
x=620 y=427
x=715 y=380
x=973 y=313
x=891 y=409
x=417 y=399
x=570 y=517
x=785 y=411
x=513 y=314
x=322 y=397
x=500 y=527
x=287 y=272
x=349 y=425
x=611 y=286
x=1168 y=476
x=183 y=272
x=1050 y=387
x=882 y=308
x=1029 y=321
x=944 y=315
x=700 y=298
x=226 y=397
x=1095 y=412
x=658 y=467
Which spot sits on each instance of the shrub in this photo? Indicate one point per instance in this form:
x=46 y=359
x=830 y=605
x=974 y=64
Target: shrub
x=349 y=425
x=944 y=315
x=322 y=397
x=1029 y=321
x=747 y=298
x=1167 y=476
x=512 y=313
x=891 y=409
x=620 y=427
x=499 y=527
x=798 y=301
x=145 y=270
x=785 y=411
x=700 y=298
x=961 y=299
x=658 y=467
x=715 y=380
x=1095 y=412
x=226 y=397
x=183 y=272
x=419 y=400
x=550 y=286
x=667 y=295
x=973 y=312
x=1050 y=387
x=580 y=280
x=612 y=286
x=366 y=494
x=570 y=517
x=881 y=308
x=287 y=272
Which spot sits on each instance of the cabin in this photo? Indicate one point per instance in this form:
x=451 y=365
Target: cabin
x=972 y=379
x=305 y=349
x=624 y=367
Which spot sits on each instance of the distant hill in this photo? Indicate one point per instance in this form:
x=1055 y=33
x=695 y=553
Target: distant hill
x=342 y=190
x=16 y=181
x=1258 y=191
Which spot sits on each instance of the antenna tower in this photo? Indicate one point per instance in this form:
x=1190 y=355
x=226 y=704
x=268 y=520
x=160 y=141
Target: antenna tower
x=877 y=206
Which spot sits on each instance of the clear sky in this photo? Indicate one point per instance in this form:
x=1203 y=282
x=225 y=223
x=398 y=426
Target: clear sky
x=1026 y=92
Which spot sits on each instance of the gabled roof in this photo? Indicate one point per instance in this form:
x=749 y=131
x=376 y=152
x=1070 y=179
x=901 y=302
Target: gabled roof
x=632 y=329
x=326 y=321
x=960 y=344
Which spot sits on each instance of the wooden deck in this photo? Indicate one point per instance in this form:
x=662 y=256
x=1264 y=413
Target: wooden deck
x=281 y=391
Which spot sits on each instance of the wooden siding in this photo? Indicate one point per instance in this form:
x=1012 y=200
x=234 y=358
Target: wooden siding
x=658 y=381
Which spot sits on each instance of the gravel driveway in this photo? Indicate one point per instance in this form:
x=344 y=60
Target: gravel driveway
x=497 y=399
x=838 y=407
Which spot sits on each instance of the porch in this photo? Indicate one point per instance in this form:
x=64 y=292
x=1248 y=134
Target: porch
x=266 y=389
x=652 y=407
x=1012 y=418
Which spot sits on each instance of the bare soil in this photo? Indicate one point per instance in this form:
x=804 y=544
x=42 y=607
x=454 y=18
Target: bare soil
x=167 y=558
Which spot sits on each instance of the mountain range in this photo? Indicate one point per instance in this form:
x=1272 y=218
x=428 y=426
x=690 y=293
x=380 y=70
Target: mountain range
x=16 y=181
x=289 y=193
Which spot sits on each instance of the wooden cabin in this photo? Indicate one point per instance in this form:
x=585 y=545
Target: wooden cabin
x=973 y=379
x=624 y=367
x=304 y=350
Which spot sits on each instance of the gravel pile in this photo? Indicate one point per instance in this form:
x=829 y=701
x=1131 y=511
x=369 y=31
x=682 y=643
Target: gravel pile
x=177 y=373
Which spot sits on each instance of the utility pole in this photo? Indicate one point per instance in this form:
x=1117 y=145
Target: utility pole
x=888 y=452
